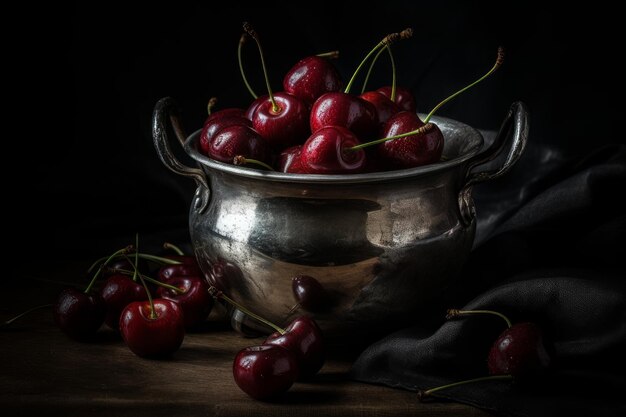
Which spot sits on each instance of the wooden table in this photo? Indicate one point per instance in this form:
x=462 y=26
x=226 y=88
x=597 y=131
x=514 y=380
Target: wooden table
x=42 y=372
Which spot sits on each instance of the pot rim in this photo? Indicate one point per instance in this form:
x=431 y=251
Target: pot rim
x=190 y=147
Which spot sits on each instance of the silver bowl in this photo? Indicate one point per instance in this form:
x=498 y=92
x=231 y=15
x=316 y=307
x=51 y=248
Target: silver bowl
x=382 y=245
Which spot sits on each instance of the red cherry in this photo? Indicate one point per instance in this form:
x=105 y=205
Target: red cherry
x=237 y=140
x=404 y=98
x=195 y=301
x=285 y=124
x=310 y=78
x=345 y=110
x=385 y=108
x=309 y=293
x=150 y=335
x=289 y=160
x=265 y=371
x=410 y=151
x=212 y=127
x=255 y=105
x=119 y=291
x=304 y=338
x=180 y=270
x=77 y=314
x=224 y=113
x=519 y=351
x=327 y=152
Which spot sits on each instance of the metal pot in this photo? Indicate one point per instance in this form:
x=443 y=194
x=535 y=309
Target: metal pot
x=382 y=244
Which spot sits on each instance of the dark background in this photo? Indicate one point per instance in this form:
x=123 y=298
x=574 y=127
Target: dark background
x=99 y=177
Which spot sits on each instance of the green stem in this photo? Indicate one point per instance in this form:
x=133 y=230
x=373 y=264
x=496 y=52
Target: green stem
x=209 y=107
x=218 y=294
x=453 y=313
x=387 y=40
x=136 y=257
x=153 y=314
x=331 y=55
x=147 y=256
x=253 y=35
x=242 y=40
x=369 y=70
x=426 y=393
x=152 y=280
x=10 y=321
x=171 y=246
x=242 y=160
x=497 y=65
x=393 y=75
x=99 y=271
x=421 y=130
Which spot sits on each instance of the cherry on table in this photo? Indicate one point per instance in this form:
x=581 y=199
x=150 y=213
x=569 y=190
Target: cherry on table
x=309 y=293
x=193 y=298
x=265 y=371
x=118 y=291
x=77 y=314
x=519 y=351
x=152 y=329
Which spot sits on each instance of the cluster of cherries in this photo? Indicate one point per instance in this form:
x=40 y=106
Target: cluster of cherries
x=315 y=128
x=152 y=315
x=518 y=353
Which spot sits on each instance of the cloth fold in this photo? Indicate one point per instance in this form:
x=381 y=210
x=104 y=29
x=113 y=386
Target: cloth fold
x=551 y=253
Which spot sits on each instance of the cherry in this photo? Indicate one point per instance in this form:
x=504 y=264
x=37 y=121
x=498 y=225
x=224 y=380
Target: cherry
x=410 y=151
x=237 y=140
x=404 y=98
x=194 y=300
x=385 y=108
x=289 y=160
x=79 y=315
x=224 y=114
x=519 y=351
x=344 y=110
x=265 y=371
x=152 y=328
x=212 y=127
x=188 y=265
x=309 y=293
x=282 y=119
x=311 y=77
x=255 y=105
x=119 y=291
x=302 y=337
x=327 y=151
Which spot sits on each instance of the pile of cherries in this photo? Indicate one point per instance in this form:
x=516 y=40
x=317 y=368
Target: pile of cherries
x=153 y=314
x=313 y=127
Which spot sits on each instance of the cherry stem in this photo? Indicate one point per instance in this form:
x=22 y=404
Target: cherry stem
x=10 y=321
x=152 y=280
x=423 y=394
x=330 y=54
x=147 y=256
x=136 y=257
x=427 y=127
x=242 y=40
x=369 y=70
x=218 y=294
x=242 y=160
x=253 y=35
x=168 y=245
x=99 y=271
x=453 y=313
x=153 y=314
x=387 y=40
x=497 y=65
x=209 y=107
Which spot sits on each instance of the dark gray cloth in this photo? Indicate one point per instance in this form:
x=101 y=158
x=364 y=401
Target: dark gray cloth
x=550 y=250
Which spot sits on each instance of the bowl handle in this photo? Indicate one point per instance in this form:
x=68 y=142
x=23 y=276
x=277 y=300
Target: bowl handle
x=514 y=125
x=165 y=109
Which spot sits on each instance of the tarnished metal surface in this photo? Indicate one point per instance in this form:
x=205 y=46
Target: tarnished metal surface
x=381 y=244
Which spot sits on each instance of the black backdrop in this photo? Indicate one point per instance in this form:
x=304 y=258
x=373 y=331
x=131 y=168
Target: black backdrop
x=98 y=175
